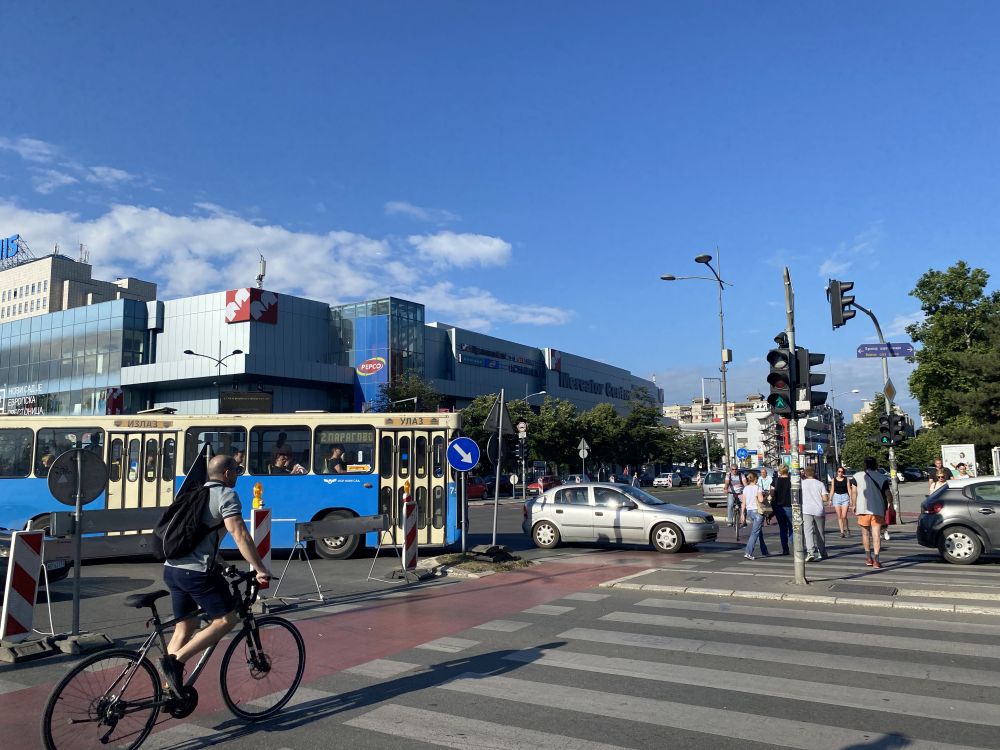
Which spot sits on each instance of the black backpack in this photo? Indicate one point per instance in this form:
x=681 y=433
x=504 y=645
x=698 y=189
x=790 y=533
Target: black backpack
x=181 y=527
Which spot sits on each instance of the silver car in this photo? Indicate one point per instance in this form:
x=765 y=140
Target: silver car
x=713 y=490
x=613 y=513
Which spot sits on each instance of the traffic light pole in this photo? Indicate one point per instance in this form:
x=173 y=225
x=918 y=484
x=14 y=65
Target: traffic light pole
x=888 y=411
x=798 y=545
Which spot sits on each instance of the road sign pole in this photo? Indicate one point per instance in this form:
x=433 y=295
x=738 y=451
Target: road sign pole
x=798 y=546
x=496 y=494
x=77 y=540
x=465 y=506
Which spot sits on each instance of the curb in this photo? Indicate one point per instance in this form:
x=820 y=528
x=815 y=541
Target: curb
x=968 y=609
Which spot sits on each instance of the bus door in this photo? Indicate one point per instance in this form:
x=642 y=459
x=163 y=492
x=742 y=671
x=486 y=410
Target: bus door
x=142 y=469
x=417 y=455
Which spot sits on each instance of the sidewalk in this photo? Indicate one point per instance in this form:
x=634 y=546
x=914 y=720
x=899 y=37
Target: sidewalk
x=912 y=577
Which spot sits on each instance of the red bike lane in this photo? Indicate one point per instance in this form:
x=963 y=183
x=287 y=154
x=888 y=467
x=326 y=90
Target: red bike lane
x=388 y=626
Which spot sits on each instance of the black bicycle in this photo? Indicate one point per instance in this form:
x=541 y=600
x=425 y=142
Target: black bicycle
x=114 y=697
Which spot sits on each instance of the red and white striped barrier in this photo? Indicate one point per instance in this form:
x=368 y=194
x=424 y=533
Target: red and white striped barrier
x=409 y=533
x=262 y=537
x=22 y=585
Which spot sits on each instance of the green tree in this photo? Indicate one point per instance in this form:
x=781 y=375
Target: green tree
x=960 y=345
x=921 y=450
x=402 y=388
x=858 y=438
x=602 y=428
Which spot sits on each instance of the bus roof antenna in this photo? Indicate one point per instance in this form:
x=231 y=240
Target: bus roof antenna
x=263 y=271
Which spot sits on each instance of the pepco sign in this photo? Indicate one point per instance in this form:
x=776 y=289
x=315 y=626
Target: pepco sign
x=371 y=366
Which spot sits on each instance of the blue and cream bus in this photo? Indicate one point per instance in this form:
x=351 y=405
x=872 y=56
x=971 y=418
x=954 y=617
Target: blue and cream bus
x=309 y=465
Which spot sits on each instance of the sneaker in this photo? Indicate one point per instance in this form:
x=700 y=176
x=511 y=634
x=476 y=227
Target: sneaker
x=869 y=562
x=748 y=557
x=173 y=672
x=810 y=557
x=885 y=535
x=843 y=535
x=876 y=563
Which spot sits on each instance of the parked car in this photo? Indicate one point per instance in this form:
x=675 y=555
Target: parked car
x=688 y=474
x=913 y=474
x=962 y=520
x=56 y=569
x=669 y=479
x=505 y=486
x=543 y=483
x=602 y=513
x=713 y=491
x=475 y=488
x=575 y=478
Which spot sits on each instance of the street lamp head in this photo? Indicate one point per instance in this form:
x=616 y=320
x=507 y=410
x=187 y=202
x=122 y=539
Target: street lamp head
x=188 y=351
x=855 y=390
x=237 y=351
x=703 y=258
x=668 y=277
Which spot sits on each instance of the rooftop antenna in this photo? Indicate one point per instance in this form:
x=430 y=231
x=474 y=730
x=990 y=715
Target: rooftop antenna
x=84 y=254
x=56 y=250
x=263 y=271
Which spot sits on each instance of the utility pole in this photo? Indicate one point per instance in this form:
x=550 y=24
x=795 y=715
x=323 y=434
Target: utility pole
x=798 y=546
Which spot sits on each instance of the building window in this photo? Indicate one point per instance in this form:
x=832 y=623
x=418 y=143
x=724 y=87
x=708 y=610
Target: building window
x=32 y=288
x=45 y=302
x=45 y=285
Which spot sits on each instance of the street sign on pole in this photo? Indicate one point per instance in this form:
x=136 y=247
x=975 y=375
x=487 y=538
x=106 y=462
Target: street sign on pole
x=889 y=391
x=463 y=454
x=742 y=454
x=866 y=351
x=583 y=445
x=583 y=452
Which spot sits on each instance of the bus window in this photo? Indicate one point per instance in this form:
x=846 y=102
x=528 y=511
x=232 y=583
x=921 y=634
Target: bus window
x=421 y=507
x=279 y=450
x=133 y=459
x=385 y=501
x=115 y=463
x=438 y=458
x=169 y=459
x=385 y=456
x=344 y=450
x=420 y=457
x=226 y=440
x=15 y=453
x=152 y=449
x=404 y=458
x=438 y=508
x=52 y=441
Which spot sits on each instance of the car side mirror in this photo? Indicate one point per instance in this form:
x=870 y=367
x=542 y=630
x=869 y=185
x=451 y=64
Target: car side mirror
x=629 y=505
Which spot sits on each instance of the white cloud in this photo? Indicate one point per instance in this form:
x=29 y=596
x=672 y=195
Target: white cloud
x=30 y=149
x=213 y=249
x=420 y=213
x=899 y=323
x=462 y=250
x=844 y=257
x=47 y=181
x=107 y=176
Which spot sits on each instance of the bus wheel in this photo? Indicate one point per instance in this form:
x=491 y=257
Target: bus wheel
x=337 y=547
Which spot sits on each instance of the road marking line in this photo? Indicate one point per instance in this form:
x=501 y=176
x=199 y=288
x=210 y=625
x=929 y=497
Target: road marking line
x=448 y=645
x=547 y=609
x=10 y=687
x=906 y=704
x=503 y=626
x=768 y=730
x=871 y=640
x=382 y=668
x=461 y=732
x=583 y=596
x=798 y=657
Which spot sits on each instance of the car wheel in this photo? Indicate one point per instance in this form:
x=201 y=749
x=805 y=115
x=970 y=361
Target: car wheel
x=337 y=547
x=667 y=538
x=960 y=545
x=545 y=535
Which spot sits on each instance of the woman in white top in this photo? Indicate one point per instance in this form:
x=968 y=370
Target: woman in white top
x=751 y=493
x=937 y=481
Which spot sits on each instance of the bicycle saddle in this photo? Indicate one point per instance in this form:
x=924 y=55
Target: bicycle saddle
x=145 y=600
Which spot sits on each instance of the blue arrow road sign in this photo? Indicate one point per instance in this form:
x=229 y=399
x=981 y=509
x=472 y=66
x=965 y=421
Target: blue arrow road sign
x=885 y=350
x=742 y=454
x=463 y=454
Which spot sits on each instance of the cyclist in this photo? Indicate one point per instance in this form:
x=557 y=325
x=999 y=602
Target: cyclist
x=195 y=580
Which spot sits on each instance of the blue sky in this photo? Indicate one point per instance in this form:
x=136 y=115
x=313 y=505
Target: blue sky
x=525 y=169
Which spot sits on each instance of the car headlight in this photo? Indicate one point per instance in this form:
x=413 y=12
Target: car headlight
x=697 y=519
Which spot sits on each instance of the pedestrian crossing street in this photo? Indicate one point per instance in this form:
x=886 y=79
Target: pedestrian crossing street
x=622 y=669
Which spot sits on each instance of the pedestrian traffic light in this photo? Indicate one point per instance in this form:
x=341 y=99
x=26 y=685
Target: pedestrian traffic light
x=521 y=450
x=884 y=430
x=780 y=377
x=840 y=302
x=896 y=429
x=805 y=378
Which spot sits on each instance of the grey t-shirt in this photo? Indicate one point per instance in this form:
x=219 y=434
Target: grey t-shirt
x=870 y=498
x=223 y=502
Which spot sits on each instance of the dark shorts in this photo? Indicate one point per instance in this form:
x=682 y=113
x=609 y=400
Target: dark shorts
x=191 y=589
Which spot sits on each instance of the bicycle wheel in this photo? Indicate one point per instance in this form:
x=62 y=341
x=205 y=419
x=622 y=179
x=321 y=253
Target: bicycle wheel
x=258 y=681
x=111 y=698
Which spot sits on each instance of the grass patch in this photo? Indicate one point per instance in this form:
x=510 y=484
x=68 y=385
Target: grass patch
x=469 y=563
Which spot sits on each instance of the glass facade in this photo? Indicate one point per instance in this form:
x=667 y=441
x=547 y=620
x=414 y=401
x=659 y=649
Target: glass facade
x=70 y=362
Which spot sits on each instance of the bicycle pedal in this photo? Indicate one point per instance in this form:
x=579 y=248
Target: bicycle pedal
x=183 y=706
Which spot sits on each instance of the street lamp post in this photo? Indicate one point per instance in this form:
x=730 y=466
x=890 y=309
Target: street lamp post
x=833 y=420
x=414 y=399
x=715 y=277
x=524 y=453
x=219 y=361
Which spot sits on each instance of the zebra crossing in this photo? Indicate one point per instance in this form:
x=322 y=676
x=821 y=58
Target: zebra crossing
x=627 y=670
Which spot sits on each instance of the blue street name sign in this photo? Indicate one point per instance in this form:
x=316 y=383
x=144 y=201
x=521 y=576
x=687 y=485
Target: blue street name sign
x=885 y=350
x=742 y=454
x=463 y=454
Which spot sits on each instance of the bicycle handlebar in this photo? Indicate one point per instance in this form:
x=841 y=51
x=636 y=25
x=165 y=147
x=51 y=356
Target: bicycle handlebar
x=238 y=577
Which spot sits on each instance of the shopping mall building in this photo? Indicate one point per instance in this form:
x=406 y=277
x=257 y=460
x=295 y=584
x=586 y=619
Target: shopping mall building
x=70 y=344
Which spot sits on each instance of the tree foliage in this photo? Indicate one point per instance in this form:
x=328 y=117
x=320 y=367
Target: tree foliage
x=405 y=387
x=859 y=438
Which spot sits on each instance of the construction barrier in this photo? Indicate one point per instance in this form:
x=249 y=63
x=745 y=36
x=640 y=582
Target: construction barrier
x=21 y=588
x=409 y=533
x=262 y=537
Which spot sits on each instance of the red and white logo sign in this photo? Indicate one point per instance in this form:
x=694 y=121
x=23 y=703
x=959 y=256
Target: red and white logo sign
x=371 y=366
x=251 y=304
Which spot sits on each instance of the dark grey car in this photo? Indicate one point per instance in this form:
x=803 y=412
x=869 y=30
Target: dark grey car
x=962 y=520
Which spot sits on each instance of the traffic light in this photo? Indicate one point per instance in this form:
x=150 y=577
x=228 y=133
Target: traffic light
x=780 y=378
x=521 y=450
x=840 y=302
x=805 y=378
x=896 y=429
x=884 y=430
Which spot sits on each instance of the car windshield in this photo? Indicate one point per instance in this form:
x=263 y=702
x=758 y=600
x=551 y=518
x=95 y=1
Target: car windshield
x=636 y=494
x=714 y=477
